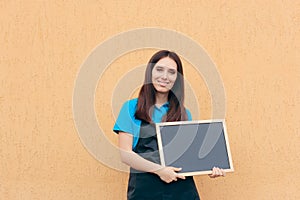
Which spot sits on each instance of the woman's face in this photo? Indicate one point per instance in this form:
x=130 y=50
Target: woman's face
x=164 y=75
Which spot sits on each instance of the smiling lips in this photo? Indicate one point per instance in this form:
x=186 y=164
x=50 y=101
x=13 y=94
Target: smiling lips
x=162 y=83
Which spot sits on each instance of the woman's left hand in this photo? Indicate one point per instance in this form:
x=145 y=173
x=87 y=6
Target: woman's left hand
x=217 y=172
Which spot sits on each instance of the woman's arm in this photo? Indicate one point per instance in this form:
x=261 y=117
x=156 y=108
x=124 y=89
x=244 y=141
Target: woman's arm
x=129 y=157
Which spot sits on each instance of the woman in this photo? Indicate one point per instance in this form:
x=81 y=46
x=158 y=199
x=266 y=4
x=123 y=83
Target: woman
x=160 y=99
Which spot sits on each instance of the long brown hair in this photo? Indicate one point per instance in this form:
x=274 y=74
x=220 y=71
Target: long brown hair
x=146 y=99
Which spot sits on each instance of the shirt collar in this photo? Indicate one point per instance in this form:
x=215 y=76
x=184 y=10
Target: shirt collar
x=165 y=105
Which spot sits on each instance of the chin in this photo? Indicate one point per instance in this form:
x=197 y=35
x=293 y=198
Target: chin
x=162 y=90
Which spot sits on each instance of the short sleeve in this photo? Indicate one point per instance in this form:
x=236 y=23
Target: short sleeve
x=189 y=115
x=126 y=121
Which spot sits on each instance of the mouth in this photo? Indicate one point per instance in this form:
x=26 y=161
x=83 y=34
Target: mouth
x=163 y=83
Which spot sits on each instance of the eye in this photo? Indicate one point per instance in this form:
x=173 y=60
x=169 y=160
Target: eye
x=172 y=71
x=159 y=69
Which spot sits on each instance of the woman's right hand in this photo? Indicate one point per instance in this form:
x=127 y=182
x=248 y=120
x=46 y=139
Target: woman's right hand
x=168 y=174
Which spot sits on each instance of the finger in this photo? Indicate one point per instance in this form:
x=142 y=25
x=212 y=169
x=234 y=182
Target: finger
x=211 y=176
x=218 y=171
x=223 y=172
x=214 y=171
x=176 y=169
x=169 y=180
x=180 y=176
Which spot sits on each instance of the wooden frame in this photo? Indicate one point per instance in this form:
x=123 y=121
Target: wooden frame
x=178 y=143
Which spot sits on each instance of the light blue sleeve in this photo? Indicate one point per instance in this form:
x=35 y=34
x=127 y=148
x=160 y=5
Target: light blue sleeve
x=126 y=121
x=189 y=115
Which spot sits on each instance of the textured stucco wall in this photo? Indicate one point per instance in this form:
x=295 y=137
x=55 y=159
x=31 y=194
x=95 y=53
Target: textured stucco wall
x=255 y=45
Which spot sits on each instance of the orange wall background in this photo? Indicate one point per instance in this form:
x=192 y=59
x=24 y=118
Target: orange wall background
x=255 y=46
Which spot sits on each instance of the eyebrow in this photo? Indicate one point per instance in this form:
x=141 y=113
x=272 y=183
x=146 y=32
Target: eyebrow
x=160 y=66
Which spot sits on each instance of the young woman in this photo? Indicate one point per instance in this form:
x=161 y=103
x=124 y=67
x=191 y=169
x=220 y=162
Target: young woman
x=161 y=98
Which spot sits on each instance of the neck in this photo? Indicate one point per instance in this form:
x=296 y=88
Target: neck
x=161 y=98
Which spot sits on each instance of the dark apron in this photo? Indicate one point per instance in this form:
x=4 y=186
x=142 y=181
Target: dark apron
x=146 y=186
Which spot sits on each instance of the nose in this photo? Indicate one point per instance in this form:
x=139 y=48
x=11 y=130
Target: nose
x=165 y=75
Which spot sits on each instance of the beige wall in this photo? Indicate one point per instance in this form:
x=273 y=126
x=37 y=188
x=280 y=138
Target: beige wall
x=255 y=46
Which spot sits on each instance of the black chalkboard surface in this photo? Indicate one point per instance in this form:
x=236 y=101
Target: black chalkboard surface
x=195 y=146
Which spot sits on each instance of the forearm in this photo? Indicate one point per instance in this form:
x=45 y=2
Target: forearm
x=135 y=161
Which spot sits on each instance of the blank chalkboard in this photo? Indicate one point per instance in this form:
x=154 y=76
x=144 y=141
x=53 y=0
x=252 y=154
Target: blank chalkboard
x=195 y=146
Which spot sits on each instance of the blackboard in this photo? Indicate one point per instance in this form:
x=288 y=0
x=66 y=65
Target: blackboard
x=195 y=146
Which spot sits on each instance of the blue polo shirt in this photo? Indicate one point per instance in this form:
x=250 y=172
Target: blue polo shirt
x=126 y=121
